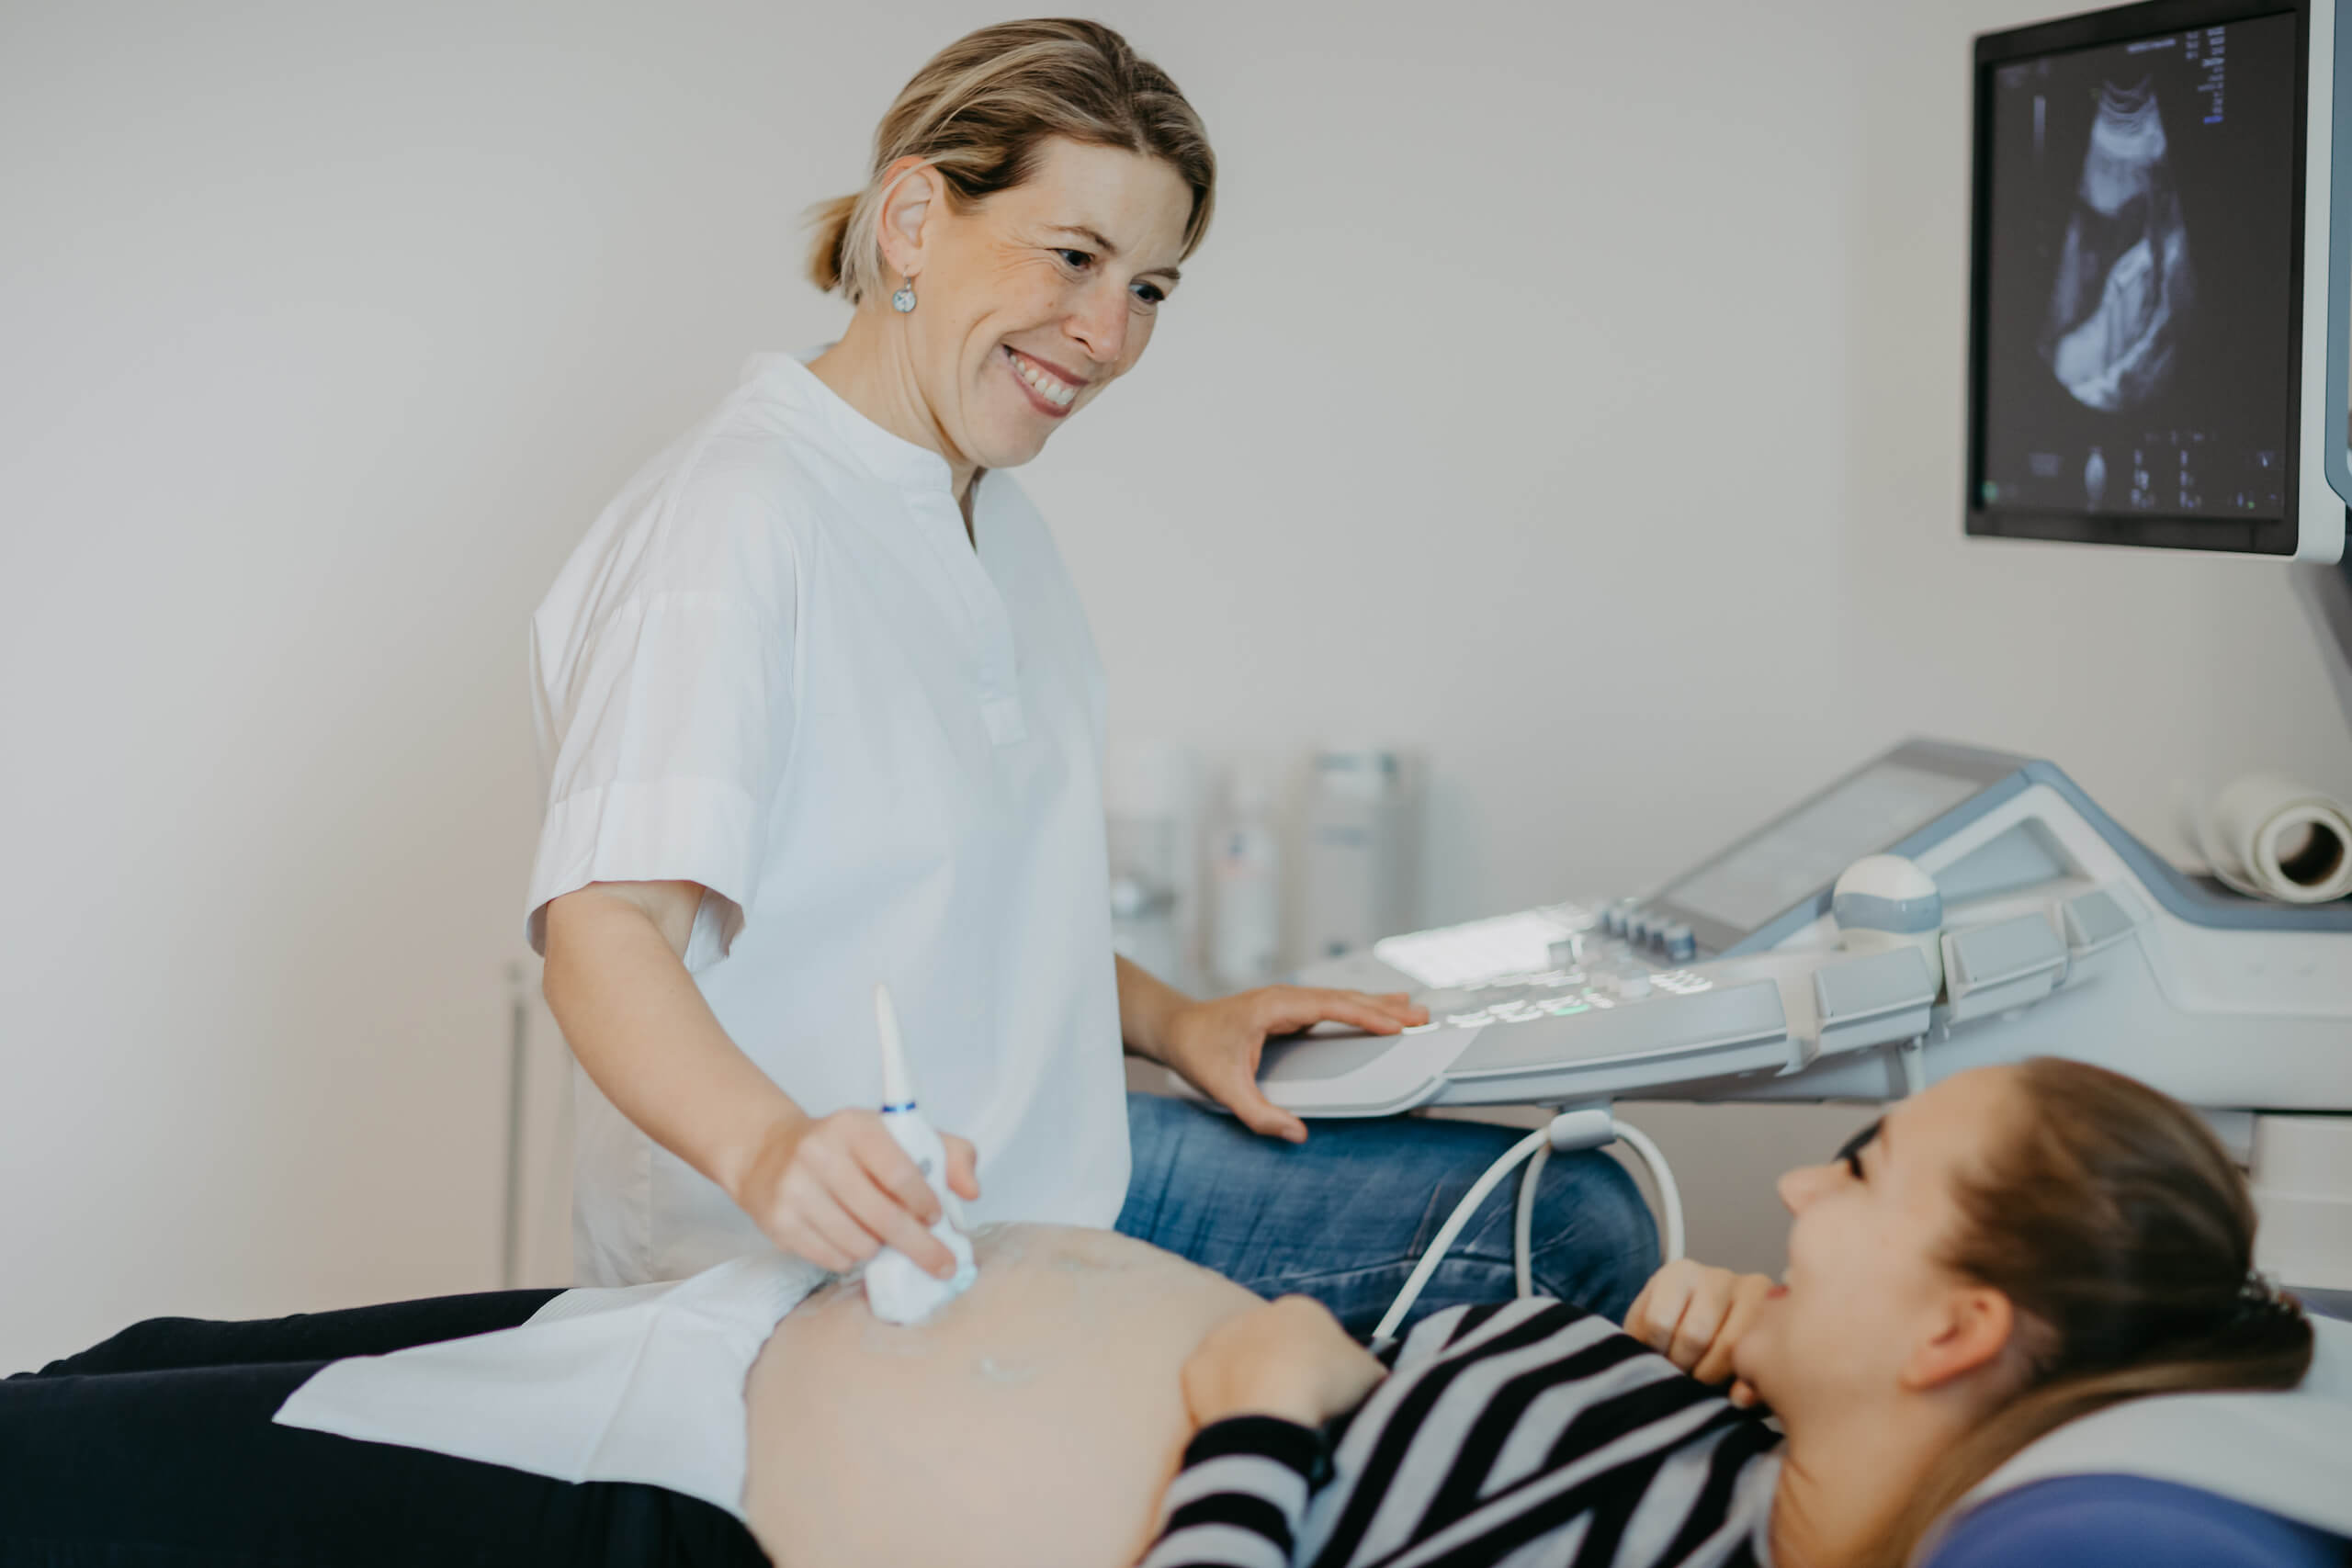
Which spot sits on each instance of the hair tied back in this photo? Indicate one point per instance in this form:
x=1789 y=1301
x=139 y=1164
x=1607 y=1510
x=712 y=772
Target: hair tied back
x=2260 y=1303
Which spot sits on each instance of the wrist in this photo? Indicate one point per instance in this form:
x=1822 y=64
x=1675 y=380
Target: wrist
x=1147 y=1009
x=750 y=1159
x=1274 y=1398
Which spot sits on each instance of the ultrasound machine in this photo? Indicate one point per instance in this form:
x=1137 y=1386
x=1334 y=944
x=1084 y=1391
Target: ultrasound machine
x=2158 y=334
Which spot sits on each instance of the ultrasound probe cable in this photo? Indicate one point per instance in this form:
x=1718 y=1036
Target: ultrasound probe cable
x=1589 y=1127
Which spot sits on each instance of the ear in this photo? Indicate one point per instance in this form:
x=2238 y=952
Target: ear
x=914 y=193
x=1972 y=1330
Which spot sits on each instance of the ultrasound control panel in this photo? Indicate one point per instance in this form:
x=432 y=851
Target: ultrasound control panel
x=2062 y=935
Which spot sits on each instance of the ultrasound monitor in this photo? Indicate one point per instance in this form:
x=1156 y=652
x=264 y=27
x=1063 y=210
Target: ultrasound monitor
x=2146 y=256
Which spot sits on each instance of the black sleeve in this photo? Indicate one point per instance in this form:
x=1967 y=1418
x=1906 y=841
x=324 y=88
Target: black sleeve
x=1237 y=1501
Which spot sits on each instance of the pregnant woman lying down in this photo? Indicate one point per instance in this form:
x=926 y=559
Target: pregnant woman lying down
x=2014 y=1247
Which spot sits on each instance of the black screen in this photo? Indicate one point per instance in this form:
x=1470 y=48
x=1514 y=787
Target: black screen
x=2139 y=268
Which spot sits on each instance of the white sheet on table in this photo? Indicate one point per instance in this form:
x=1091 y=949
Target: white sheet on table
x=637 y=1382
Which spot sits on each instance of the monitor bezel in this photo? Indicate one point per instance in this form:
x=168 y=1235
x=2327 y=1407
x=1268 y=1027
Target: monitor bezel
x=2266 y=536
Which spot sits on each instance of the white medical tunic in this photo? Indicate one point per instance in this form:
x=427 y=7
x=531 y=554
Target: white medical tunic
x=778 y=667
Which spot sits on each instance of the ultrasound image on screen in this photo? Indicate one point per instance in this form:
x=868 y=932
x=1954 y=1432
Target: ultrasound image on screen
x=2139 y=216
x=2125 y=281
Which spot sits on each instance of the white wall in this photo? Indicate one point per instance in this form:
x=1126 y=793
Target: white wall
x=1556 y=388
x=1505 y=411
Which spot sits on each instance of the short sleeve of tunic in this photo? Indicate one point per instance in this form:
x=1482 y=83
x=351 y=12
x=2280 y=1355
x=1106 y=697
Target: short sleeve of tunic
x=664 y=674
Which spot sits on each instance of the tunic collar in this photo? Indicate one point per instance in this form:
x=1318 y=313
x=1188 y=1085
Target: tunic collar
x=855 y=439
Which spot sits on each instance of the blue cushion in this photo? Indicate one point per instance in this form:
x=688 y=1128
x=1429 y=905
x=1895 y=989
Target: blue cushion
x=2125 y=1521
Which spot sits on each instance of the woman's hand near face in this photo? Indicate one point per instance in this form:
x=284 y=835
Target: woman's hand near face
x=1215 y=1046
x=836 y=1189
x=1694 y=1317
x=1289 y=1358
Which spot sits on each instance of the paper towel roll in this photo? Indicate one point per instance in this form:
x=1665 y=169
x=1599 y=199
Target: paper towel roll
x=2271 y=838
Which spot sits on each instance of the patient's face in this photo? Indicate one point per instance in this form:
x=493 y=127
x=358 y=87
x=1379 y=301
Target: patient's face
x=1864 y=1289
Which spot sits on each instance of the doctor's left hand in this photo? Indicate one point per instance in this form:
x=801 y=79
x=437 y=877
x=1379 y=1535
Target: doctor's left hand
x=1214 y=1046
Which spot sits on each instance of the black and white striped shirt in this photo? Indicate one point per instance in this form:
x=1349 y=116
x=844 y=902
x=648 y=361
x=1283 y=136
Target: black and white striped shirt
x=1513 y=1435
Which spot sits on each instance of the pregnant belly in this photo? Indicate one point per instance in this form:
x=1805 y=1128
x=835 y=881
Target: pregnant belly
x=1030 y=1423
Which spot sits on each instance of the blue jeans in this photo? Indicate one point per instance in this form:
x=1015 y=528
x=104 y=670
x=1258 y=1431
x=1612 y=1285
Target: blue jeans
x=1344 y=1216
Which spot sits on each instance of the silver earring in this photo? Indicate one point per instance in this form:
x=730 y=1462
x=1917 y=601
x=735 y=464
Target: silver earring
x=903 y=300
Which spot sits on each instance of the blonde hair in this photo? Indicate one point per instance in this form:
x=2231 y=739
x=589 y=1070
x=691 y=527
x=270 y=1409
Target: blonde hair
x=2116 y=1225
x=981 y=109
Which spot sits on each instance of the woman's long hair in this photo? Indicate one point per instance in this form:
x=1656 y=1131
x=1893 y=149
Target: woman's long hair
x=980 y=112
x=2123 y=1236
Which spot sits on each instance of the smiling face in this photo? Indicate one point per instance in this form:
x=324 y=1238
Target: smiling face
x=1035 y=299
x=1868 y=1310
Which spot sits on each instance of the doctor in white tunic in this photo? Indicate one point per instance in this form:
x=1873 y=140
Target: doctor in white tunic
x=819 y=707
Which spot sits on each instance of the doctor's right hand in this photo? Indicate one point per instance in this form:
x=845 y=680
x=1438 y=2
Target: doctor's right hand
x=836 y=1189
